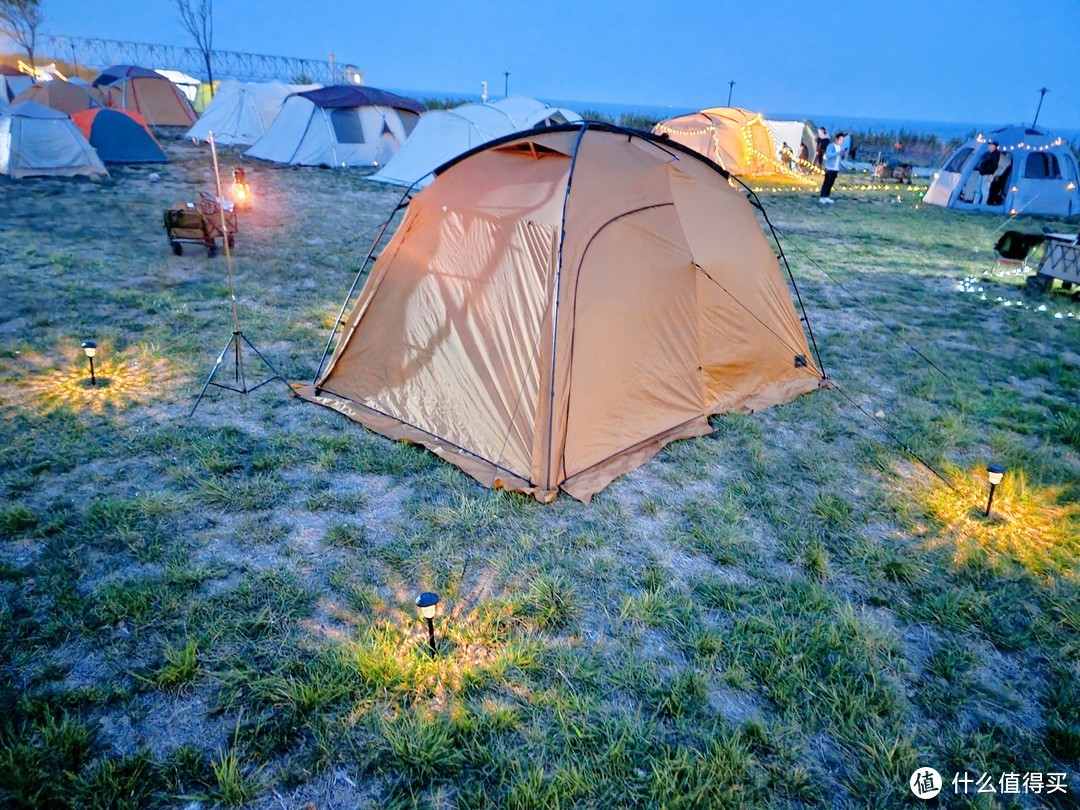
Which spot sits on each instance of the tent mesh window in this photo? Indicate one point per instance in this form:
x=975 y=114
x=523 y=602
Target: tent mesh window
x=347 y=127
x=958 y=160
x=1041 y=166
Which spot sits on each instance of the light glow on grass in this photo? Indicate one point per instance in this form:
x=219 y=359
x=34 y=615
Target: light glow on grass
x=1028 y=525
x=121 y=382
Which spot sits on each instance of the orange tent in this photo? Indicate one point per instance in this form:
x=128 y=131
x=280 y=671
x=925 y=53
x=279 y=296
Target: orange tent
x=737 y=139
x=59 y=95
x=155 y=98
x=560 y=304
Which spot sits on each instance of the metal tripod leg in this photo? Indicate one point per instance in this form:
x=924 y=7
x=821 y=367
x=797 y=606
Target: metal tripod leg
x=236 y=341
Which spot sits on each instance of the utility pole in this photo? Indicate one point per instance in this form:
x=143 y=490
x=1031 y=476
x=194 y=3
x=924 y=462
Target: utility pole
x=1042 y=92
x=506 y=84
x=730 y=87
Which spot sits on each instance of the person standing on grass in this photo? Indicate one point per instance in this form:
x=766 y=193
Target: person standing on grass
x=833 y=152
x=822 y=145
x=987 y=167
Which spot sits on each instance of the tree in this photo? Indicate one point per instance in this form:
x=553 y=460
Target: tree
x=198 y=19
x=20 y=20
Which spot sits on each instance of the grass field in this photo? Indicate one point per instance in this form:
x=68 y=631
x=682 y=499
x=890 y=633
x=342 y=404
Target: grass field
x=789 y=612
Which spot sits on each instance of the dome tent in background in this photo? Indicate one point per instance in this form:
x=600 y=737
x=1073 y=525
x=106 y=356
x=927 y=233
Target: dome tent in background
x=241 y=112
x=147 y=92
x=1041 y=180
x=442 y=135
x=59 y=95
x=38 y=141
x=339 y=125
x=119 y=136
x=559 y=304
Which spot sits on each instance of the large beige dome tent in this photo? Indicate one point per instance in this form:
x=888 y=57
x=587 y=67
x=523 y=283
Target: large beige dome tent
x=1041 y=178
x=339 y=125
x=442 y=135
x=36 y=141
x=559 y=304
x=737 y=139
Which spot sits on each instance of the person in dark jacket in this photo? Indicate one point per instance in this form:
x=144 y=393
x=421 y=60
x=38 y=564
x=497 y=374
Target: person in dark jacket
x=822 y=145
x=988 y=166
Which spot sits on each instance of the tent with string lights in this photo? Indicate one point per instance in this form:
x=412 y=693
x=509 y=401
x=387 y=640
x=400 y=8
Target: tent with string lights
x=737 y=139
x=146 y=92
x=1041 y=178
x=242 y=112
x=36 y=141
x=339 y=125
x=560 y=304
x=442 y=135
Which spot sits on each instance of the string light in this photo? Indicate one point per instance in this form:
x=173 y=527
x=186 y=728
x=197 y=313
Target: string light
x=1027 y=147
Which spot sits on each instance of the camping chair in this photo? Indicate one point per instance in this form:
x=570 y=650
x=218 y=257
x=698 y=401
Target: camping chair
x=1014 y=247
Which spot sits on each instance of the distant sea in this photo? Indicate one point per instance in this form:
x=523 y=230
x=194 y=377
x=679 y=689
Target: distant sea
x=946 y=130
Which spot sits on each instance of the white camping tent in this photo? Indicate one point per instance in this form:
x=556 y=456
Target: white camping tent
x=444 y=134
x=242 y=112
x=36 y=140
x=11 y=84
x=339 y=125
x=792 y=133
x=1041 y=178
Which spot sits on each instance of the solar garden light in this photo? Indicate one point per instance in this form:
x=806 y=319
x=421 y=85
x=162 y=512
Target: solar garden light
x=91 y=349
x=995 y=472
x=427 y=602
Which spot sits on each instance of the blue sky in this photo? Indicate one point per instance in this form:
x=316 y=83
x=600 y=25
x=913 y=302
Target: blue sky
x=942 y=60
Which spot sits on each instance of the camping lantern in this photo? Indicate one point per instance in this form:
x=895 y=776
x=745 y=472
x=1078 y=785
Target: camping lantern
x=90 y=348
x=427 y=602
x=995 y=472
x=240 y=192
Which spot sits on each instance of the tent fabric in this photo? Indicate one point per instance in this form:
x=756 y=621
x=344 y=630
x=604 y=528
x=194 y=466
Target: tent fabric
x=59 y=95
x=444 y=134
x=343 y=96
x=38 y=141
x=119 y=136
x=1042 y=178
x=793 y=133
x=241 y=112
x=559 y=304
x=736 y=139
x=11 y=85
x=116 y=73
x=151 y=95
x=326 y=133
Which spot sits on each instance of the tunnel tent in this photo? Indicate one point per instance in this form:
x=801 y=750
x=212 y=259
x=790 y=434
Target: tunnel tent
x=560 y=304
x=338 y=125
x=442 y=135
x=242 y=112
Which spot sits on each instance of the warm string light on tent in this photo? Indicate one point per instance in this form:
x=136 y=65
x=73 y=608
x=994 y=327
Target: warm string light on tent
x=748 y=141
x=1025 y=146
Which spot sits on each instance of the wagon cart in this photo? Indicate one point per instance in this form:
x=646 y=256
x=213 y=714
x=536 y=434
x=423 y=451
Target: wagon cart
x=1060 y=261
x=200 y=224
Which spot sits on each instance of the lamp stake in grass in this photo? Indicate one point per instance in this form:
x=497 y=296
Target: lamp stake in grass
x=995 y=472
x=426 y=602
x=91 y=349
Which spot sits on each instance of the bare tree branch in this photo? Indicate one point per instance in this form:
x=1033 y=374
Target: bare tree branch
x=197 y=17
x=20 y=20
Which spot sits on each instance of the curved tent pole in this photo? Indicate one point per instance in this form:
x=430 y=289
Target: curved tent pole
x=558 y=283
x=783 y=257
x=341 y=314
